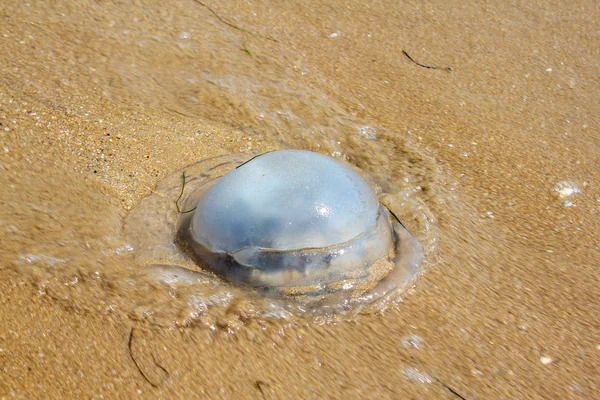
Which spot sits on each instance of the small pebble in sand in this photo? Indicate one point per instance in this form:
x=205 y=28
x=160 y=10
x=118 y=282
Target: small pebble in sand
x=564 y=191
x=576 y=388
x=546 y=360
x=334 y=35
x=411 y=342
x=414 y=375
x=367 y=132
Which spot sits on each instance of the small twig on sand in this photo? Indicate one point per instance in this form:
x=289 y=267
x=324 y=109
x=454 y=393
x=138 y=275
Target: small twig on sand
x=258 y=155
x=224 y=21
x=454 y=392
x=135 y=362
x=163 y=369
x=259 y=385
x=181 y=194
x=426 y=66
x=245 y=50
x=397 y=219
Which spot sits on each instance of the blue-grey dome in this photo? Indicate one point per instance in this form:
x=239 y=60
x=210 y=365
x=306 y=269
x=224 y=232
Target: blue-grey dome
x=285 y=200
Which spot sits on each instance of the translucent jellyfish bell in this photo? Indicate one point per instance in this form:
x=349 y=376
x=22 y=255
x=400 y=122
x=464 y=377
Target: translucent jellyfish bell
x=285 y=200
x=298 y=222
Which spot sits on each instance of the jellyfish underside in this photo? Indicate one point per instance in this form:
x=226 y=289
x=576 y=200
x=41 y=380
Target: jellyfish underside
x=355 y=249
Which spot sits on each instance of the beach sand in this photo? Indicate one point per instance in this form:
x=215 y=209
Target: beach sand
x=101 y=101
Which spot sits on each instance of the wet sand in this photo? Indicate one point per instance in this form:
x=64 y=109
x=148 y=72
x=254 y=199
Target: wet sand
x=99 y=102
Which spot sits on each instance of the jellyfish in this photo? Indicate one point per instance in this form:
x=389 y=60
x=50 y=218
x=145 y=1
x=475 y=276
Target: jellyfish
x=296 y=223
x=288 y=232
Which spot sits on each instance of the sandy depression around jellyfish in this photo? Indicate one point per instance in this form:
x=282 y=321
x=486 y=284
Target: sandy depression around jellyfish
x=287 y=231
